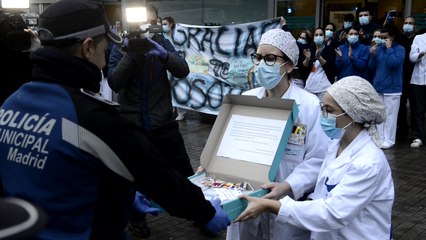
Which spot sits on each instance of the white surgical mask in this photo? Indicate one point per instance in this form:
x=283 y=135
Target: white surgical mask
x=347 y=25
x=352 y=39
x=377 y=40
x=407 y=28
x=301 y=41
x=364 y=20
x=329 y=34
x=166 y=28
x=268 y=76
x=319 y=40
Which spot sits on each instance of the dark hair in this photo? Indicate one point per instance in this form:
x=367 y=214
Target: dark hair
x=172 y=22
x=391 y=30
x=364 y=9
x=151 y=8
x=415 y=21
x=322 y=29
x=308 y=34
x=349 y=17
x=332 y=24
x=356 y=28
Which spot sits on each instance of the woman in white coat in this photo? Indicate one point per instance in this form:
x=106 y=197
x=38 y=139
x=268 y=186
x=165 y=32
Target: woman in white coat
x=275 y=58
x=354 y=192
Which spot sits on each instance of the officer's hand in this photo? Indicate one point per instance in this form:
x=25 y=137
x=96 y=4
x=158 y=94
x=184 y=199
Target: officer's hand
x=143 y=205
x=220 y=220
x=157 y=50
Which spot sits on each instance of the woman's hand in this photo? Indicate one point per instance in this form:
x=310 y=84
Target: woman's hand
x=200 y=169
x=257 y=206
x=277 y=190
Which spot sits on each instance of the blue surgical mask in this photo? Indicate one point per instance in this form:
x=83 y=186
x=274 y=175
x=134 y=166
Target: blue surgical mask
x=319 y=40
x=347 y=25
x=352 y=39
x=329 y=34
x=364 y=20
x=301 y=41
x=268 y=76
x=166 y=28
x=378 y=40
x=328 y=125
x=407 y=28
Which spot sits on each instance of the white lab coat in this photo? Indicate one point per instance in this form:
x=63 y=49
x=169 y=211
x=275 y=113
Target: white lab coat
x=419 y=72
x=303 y=162
x=353 y=196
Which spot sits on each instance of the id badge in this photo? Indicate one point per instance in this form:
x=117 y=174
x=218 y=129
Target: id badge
x=298 y=134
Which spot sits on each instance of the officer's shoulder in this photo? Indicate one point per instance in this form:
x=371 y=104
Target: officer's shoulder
x=98 y=97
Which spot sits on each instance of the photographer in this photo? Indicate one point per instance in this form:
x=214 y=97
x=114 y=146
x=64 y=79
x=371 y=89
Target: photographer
x=139 y=76
x=15 y=67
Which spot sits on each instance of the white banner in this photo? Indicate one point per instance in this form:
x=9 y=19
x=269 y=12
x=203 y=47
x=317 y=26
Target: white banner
x=219 y=62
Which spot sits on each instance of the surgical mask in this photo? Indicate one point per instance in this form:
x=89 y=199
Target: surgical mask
x=407 y=28
x=352 y=39
x=364 y=20
x=329 y=34
x=378 y=40
x=301 y=41
x=347 y=24
x=319 y=40
x=268 y=76
x=328 y=125
x=166 y=28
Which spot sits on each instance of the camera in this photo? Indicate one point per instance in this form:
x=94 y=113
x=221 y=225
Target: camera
x=137 y=38
x=137 y=33
x=14 y=23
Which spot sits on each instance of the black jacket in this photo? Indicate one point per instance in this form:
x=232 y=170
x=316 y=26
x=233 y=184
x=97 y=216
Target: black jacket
x=89 y=159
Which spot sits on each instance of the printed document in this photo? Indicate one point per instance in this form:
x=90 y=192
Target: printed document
x=251 y=139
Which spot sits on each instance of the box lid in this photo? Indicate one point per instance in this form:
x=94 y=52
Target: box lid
x=236 y=170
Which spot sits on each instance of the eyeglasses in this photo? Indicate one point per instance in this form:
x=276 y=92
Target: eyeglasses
x=326 y=111
x=269 y=59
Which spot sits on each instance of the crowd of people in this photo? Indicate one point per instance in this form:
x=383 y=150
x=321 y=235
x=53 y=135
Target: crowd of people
x=383 y=55
x=91 y=164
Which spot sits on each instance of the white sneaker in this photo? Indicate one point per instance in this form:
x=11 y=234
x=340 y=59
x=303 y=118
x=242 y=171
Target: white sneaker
x=386 y=146
x=416 y=143
x=180 y=117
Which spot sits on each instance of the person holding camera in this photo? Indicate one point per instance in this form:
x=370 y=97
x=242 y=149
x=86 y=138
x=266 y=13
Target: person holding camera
x=15 y=66
x=139 y=76
x=69 y=150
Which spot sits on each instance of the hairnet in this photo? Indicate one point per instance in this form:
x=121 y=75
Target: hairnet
x=358 y=99
x=282 y=40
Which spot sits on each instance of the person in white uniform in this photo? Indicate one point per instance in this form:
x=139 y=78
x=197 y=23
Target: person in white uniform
x=275 y=58
x=354 y=192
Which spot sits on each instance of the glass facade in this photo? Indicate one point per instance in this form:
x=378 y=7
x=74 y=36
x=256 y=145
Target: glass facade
x=419 y=12
x=213 y=12
x=299 y=14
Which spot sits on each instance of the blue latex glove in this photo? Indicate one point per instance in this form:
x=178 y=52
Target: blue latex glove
x=126 y=42
x=143 y=205
x=157 y=50
x=220 y=220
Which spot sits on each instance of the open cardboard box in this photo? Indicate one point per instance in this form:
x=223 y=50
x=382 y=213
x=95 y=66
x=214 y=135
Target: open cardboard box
x=236 y=170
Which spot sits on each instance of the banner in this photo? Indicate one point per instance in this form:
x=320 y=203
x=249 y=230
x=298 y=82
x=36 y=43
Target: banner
x=219 y=62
